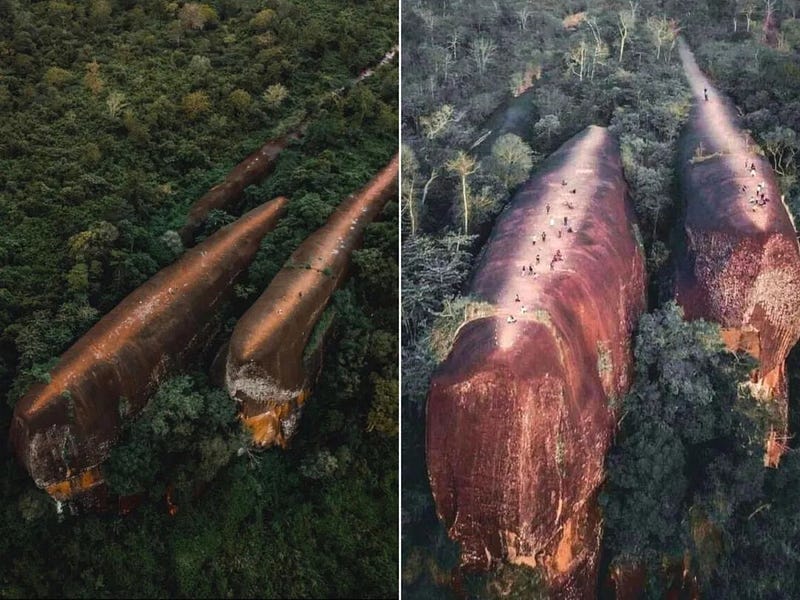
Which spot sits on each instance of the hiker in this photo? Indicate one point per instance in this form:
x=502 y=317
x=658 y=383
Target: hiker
x=753 y=171
x=548 y=209
x=559 y=234
x=537 y=259
x=523 y=310
x=516 y=298
x=544 y=236
x=533 y=241
x=552 y=265
x=569 y=229
x=705 y=91
x=565 y=221
x=511 y=319
x=523 y=269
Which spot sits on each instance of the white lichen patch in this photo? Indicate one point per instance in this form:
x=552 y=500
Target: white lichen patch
x=252 y=382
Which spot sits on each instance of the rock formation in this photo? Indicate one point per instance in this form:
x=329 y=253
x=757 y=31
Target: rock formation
x=266 y=372
x=249 y=172
x=62 y=430
x=522 y=411
x=740 y=266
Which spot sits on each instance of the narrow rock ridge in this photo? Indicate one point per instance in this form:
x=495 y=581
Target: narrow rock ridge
x=522 y=411
x=740 y=264
x=265 y=368
x=62 y=430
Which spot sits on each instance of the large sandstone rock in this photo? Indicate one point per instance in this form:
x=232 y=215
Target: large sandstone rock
x=269 y=368
x=250 y=171
x=62 y=430
x=740 y=264
x=520 y=414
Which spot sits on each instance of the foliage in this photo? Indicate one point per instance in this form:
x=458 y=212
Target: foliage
x=96 y=177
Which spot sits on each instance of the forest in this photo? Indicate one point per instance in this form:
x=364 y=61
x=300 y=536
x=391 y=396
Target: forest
x=118 y=115
x=685 y=489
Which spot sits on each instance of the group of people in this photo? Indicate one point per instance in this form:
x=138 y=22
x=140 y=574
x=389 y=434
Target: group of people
x=760 y=196
x=557 y=256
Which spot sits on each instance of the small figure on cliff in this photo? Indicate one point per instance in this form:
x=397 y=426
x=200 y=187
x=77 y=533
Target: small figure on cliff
x=530 y=269
x=523 y=310
x=548 y=209
x=573 y=191
x=559 y=234
x=565 y=221
x=569 y=229
x=523 y=269
x=544 y=236
x=558 y=256
x=516 y=298
x=705 y=91
x=552 y=265
x=537 y=259
x=563 y=182
x=511 y=319
x=753 y=171
x=752 y=200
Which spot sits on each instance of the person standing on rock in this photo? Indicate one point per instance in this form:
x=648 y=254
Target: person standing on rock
x=705 y=91
x=547 y=208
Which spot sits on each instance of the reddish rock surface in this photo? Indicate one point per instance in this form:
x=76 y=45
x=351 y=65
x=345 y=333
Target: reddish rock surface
x=741 y=264
x=250 y=171
x=265 y=369
x=62 y=430
x=520 y=414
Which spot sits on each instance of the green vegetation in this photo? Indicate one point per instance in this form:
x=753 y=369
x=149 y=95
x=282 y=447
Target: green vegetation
x=686 y=482
x=118 y=115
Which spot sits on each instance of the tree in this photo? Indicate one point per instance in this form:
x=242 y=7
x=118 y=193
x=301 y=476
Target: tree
x=92 y=79
x=523 y=13
x=547 y=125
x=275 y=95
x=781 y=145
x=57 y=77
x=512 y=159
x=464 y=166
x=661 y=32
x=115 y=102
x=410 y=172
x=577 y=59
x=240 y=100
x=195 y=104
x=436 y=122
x=262 y=19
x=482 y=51
x=624 y=25
x=194 y=15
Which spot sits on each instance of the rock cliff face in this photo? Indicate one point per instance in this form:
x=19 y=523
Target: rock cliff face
x=521 y=413
x=740 y=266
x=63 y=430
x=250 y=171
x=266 y=371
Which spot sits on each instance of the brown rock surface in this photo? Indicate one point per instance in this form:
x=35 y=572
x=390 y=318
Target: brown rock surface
x=62 y=430
x=520 y=414
x=250 y=171
x=741 y=264
x=265 y=370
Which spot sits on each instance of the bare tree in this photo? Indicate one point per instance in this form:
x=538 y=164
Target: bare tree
x=577 y=59
x=523 y=13
x=482 y=51
x=463 y=165
x=634 y=4
x=624 y=26
x=600 y=52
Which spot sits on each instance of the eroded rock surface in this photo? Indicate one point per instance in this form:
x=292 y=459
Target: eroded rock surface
x=62 y=430
x=741 y=265
x=266 y=371
x=521 y=413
